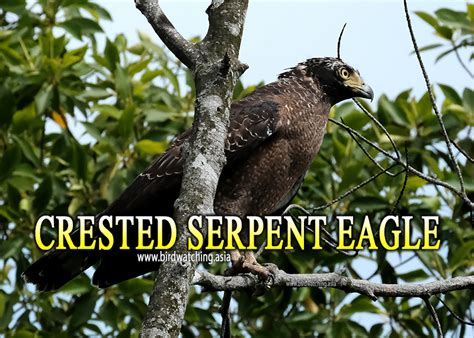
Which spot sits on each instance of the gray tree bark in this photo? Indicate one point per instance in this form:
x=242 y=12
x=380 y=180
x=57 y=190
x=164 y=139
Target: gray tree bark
x=216 y=68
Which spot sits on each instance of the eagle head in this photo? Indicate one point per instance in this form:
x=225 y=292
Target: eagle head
x=336 y=79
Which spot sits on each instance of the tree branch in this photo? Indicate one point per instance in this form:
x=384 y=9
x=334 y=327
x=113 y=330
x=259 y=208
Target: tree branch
x=331 y=280
x=184 y=50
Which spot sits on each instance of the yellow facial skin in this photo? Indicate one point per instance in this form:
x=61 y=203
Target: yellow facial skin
x=354 y=81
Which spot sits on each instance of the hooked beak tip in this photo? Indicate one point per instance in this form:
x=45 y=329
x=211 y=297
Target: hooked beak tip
x=365 y=92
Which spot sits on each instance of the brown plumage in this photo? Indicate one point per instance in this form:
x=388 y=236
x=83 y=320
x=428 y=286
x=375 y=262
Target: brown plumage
x=274 y=134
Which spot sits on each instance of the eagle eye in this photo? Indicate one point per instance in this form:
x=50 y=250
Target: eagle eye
x=344 y=73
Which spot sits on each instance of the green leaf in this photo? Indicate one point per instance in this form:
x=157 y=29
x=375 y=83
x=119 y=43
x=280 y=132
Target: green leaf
x=376 y=330
x=11 y=248
x=94 y=9
x=130 y=309
x=125 y=123
x=415 y=182
x=414 y=276
x=77 y=286
x=92 y=130
x=22 y=119
x=468 y=99
x=428 y=18
x=455 y=19
x=95 y=94
x=10 y=159
x=360 y=304
x=74 y=206
x=8 y=104
x=155 y=115
x=369 y=203
x=6 y=309
x=108 y=110
x=111 y=55
x=135 y=287
x=11 y=55
x=137 y=67
x=27 y=149
x=43 y=98
x=79 y=160
x=463 y=252
x=450 y=94
x=109 y=313
x=429 y=47
x=393 y=111
x=470 y=11
x=80 y=26
x=73 y=57
x=82 y=310
x=122 y=83
x=351 y=116
x=444 y=32
x=173 y=79
x=150 y=147
x=15 y=6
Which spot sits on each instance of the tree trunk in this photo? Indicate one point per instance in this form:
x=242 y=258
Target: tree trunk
x=216 y=68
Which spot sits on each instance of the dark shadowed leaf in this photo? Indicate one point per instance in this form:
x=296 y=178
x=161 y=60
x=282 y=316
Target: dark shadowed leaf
x=413 y=276
x=81 y=26
x=9 y=160
x=43 y=195
x=82 y=310
x=7 y=102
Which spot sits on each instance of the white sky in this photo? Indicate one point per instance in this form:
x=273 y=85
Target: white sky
x=279 y=34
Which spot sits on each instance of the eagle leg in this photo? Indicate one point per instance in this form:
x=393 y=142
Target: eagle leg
x=246 y=262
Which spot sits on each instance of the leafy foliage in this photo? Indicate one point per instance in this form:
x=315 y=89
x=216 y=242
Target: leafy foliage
x=456 y=28
x=83 y=113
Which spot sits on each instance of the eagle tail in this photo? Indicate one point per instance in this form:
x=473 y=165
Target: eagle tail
x=121 y=266
x=56 y=268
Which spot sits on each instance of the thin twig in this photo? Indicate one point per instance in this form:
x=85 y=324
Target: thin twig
x=427 y=178
x=357 y=187
x=434 y=316
x=458 y=56
x=225 y=327
x=433 y=101
x=184 y=50
x=405 y=181
x=380 y=125
x=454 y=313
x=462 y=151
x=404 y=261
x=368 y=155
x=260 y=249
x=330 y=241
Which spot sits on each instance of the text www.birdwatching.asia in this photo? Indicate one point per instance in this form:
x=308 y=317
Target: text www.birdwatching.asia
x=198 y=257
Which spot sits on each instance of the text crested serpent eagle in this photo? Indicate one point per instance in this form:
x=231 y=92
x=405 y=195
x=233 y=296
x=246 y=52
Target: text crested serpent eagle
x=274 y=134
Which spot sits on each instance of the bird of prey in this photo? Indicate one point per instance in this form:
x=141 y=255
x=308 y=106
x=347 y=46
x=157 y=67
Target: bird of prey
x=273 y=136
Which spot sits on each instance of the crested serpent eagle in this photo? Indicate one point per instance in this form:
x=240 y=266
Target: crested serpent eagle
x=273 y=136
